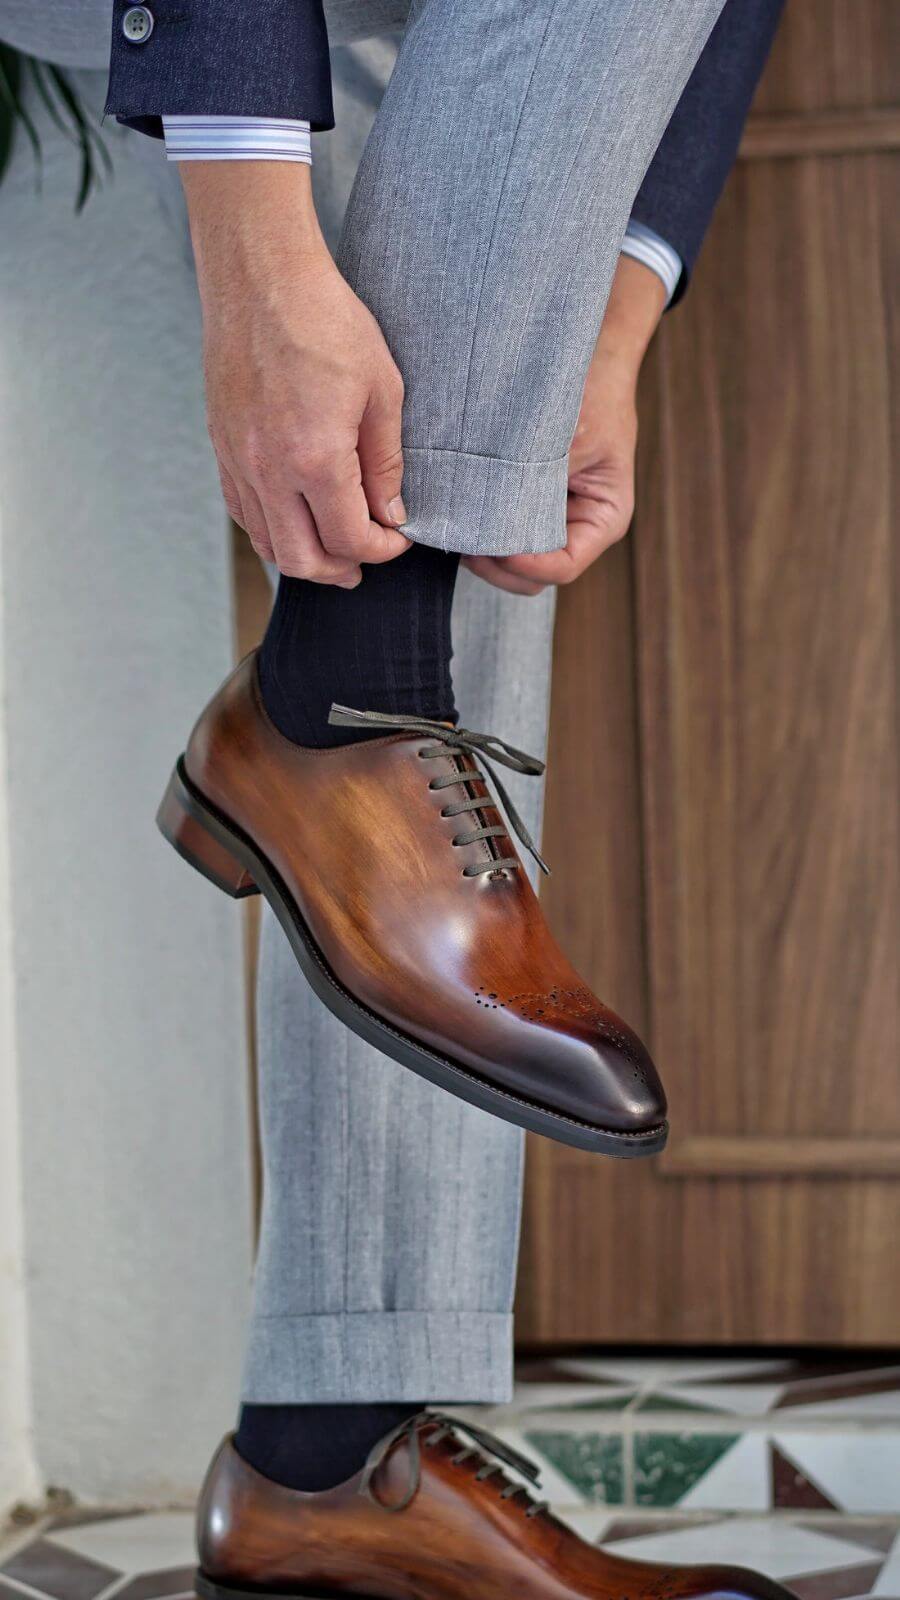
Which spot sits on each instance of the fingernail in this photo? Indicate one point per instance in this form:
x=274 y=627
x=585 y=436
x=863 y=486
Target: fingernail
x=397 y=511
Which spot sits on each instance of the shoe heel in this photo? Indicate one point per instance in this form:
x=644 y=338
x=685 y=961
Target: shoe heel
x=180 y=820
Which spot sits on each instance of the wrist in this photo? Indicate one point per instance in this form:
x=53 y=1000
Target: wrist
x=251 y=222
x=636 y=303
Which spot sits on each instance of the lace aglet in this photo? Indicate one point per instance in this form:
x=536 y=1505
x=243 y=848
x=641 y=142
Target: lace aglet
x=344 y=717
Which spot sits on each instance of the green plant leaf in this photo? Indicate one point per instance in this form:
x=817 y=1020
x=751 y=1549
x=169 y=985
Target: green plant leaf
x=65 y=110
x=14 y=112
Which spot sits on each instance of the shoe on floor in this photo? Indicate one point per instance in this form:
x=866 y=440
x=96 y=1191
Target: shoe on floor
x=432 y=1516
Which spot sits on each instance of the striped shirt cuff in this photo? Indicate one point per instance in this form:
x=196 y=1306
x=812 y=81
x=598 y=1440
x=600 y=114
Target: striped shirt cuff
x=642 y=244
x=211 y=138
x=207 y=138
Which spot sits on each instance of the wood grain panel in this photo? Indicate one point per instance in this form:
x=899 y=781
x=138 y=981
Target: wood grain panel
x=826 y=133
x=753 y=792
x=746 y=1156
x=767 y=647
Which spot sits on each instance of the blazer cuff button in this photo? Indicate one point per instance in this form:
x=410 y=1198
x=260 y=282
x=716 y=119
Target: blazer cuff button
x=137 y=24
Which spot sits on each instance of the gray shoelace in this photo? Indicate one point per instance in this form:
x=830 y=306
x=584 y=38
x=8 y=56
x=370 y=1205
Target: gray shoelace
x=453 y=742
x=440 y=1426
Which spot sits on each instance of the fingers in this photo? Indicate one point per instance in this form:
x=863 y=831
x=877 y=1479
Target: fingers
x=244 y=508
x=587 y=536
x=494 y=570
x=299 y=552
x=334 y=492
x=381 y=452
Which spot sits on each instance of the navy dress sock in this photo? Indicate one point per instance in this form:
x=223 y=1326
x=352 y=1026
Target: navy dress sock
x=384 y=646
x=315 y=1447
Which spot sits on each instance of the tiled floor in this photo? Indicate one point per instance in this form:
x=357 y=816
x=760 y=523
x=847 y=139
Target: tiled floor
x=792 y=1470
x=714 y=1435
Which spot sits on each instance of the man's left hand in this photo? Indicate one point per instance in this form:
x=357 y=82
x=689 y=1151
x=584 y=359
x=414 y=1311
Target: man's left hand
x=601 y=459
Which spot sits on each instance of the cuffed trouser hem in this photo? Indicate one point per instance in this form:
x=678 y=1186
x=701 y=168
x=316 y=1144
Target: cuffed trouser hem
x=459 y=1357
x=483 y=505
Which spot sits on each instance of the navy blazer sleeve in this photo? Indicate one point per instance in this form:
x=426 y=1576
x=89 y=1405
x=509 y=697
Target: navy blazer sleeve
x=238 y=58
x=686 y=176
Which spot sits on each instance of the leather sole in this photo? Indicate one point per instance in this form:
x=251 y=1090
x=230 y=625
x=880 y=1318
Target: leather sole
x=225 y=855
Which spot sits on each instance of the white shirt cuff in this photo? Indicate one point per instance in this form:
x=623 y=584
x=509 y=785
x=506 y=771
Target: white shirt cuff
x=236 y=139
x=642 y=244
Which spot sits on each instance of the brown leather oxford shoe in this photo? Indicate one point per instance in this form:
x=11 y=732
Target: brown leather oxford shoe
x=393 y=875
x=462 y=1530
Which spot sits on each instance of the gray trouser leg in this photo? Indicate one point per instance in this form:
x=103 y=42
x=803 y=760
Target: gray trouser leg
x=391 y=1213
x=484 y=230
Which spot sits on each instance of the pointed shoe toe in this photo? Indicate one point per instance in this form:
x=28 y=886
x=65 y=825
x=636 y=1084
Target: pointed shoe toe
x=601 y=1072
x=395 y=877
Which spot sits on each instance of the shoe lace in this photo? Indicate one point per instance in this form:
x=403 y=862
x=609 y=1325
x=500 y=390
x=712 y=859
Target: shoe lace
x=440 y=1426
x=455 y=742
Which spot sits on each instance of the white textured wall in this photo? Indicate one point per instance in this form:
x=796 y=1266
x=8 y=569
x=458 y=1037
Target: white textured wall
x=18 y=1471
x=125 y=1032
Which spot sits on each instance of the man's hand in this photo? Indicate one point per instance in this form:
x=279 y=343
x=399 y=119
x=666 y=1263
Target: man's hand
x=304 y=398
x=601 y=460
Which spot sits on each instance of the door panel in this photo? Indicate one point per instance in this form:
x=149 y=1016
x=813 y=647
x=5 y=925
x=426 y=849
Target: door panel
x=726 y=848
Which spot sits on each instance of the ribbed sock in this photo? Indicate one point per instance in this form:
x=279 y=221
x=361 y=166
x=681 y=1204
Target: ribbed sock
x=315 y=1447
x=384 y=646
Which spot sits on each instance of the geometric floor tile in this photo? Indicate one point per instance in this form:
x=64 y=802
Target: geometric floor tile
x=668 y=1465
x=854 y=1471
x=818 y=1558
x=738 y=1399
x=130 y=1545
x=165 y=1585
x=877 y=1538
x=718 y=1433
x=592 y=1462
x=740 y=1478
x=42 y=1565
x=767 y=1544
x=572 y=1397
x=844 y=1583
x=887 y=1585
x=792 y=1488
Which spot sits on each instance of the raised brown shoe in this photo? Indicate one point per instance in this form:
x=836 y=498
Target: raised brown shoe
x=396 y=882
x=461 y=1530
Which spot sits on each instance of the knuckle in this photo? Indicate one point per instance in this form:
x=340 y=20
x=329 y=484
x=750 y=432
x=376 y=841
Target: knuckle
x=344 y=544
x=315 y=463
x=257 y=461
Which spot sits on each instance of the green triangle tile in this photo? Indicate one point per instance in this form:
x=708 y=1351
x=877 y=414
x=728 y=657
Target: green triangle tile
x=667 y=1465
x=664 y=1402
x=592 y=1462
x=615 y=1402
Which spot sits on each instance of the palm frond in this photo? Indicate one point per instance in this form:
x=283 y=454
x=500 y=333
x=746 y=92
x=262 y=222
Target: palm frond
x=63 y=106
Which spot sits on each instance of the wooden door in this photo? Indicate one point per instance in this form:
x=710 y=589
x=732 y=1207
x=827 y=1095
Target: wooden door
x=725 y=849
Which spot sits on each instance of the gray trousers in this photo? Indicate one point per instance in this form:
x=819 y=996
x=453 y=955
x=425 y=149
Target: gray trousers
x=483 y=229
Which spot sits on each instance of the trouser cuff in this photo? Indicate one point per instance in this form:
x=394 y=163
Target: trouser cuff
x=459 y=1357
x=482 y=505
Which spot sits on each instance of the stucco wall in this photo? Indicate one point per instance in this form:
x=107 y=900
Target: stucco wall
x=123 y=1032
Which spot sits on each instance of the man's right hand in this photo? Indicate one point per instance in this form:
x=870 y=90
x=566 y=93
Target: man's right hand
x=304 y=399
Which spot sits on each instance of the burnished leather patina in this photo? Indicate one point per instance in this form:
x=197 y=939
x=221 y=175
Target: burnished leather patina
x=395 y=877
x=434 y=1516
